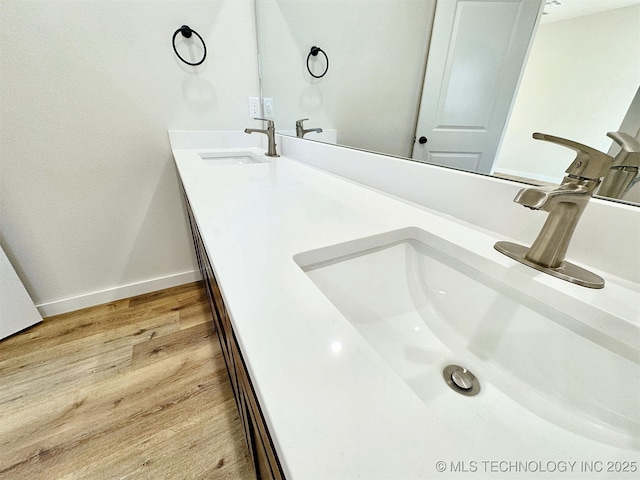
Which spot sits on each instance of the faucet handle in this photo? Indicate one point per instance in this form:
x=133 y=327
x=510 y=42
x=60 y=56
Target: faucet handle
x=626 y=141
x=628 y=147
x=300 y=122
x=270 y=123
x=589 y=164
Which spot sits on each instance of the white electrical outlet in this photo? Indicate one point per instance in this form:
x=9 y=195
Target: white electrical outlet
x=254 y=107
x=267 y=104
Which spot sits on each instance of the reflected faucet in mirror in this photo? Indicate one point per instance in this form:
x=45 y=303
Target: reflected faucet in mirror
x=270 y=132
x=565 y=204
x=300 y=130
x=623 y=173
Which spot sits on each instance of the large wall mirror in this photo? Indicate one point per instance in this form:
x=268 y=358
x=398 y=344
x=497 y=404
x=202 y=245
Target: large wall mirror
x=425 y=79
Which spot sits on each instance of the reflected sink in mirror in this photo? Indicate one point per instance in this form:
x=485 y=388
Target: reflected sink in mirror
x=232 y=157
x=424 y=303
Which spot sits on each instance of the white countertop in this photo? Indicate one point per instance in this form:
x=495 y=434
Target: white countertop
x=334 y=408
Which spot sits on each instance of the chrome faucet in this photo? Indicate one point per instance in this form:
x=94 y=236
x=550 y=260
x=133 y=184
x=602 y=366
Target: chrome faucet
x=623 y=173
x=301 y=132
x=270 y=132
x=565 y=204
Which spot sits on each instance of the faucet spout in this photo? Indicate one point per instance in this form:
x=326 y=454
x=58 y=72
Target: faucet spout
x=565 y=204
x=533 y=198
x=571 y=190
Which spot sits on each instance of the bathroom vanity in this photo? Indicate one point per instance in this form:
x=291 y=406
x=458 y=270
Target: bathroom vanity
x=349 y=318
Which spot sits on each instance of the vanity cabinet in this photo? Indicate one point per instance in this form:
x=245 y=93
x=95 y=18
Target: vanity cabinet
x=261 y=449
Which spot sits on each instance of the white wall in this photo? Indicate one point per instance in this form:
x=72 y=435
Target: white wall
x=380 y=75
x=579 y=81
x=90 y=203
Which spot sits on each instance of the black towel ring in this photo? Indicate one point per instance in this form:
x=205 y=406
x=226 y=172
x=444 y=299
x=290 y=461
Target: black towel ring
x=314 y=52
x=186 y=33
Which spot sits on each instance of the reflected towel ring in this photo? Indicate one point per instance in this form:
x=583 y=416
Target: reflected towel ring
x=314 y=51
x=186 y=33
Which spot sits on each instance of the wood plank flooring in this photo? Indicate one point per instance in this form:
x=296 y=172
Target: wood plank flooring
x=135 y=388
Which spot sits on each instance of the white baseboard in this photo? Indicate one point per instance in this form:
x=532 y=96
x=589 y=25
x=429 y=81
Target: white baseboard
x=117 y=293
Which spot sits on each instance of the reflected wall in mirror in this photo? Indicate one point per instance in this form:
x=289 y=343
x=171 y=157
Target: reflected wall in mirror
x=579 y=81
x=377 y=51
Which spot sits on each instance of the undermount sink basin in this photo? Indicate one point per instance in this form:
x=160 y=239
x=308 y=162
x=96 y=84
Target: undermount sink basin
x=424 y=304
x=233 y=157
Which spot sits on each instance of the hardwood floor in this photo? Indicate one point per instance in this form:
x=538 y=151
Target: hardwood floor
x=136 y=388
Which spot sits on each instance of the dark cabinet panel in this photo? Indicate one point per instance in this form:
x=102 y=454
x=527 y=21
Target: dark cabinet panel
x=261 y=449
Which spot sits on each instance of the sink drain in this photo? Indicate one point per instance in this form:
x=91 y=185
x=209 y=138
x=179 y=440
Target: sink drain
x=461 y=380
